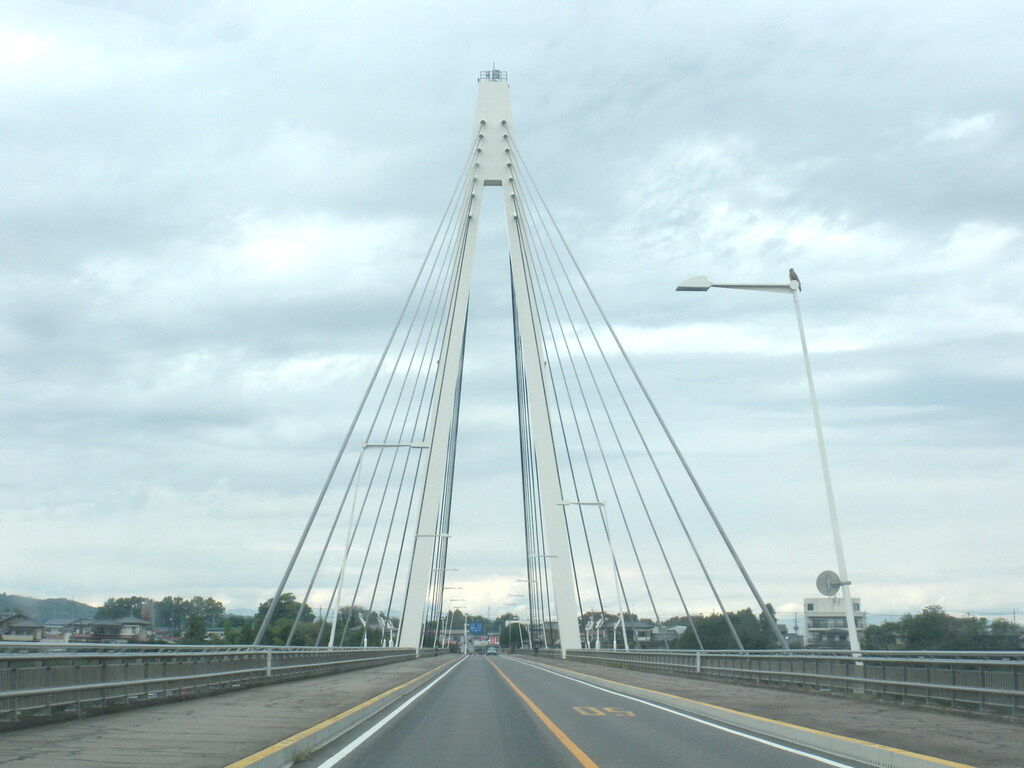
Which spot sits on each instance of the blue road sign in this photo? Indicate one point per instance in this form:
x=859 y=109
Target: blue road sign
x=476 y=628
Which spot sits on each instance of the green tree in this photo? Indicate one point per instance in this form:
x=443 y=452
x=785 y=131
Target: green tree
x=932 y=629
x=512 y=635
x=211 y=610
x=881 y=637
x=287 y=608
x=195 y=631
x=239 y=630
x=754 y=631
x=349 y=630
x=174 y=612
x=308 y=629
x=119 y=607
x=1004 y=635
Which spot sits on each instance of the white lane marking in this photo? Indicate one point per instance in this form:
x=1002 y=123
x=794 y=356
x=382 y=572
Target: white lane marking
x=337 y=757
x=695 y=719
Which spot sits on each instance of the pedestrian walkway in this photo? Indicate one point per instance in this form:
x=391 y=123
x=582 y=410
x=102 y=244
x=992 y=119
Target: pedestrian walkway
x=983 y=741
x=202 y=733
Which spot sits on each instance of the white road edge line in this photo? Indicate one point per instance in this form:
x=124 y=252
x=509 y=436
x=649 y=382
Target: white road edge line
x=353 y=745
x=696 y=719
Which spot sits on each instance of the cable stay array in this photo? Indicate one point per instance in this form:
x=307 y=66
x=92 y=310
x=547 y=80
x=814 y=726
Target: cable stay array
x=616 y=480
x=381 y=475
x=640 y=534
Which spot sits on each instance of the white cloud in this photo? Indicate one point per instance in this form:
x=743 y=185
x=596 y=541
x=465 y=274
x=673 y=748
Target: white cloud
x=213 y=214
x=16 y=48
x=961 y=128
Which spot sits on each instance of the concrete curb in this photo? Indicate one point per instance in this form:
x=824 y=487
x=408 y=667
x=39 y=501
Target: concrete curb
x=286 y=753
x=830 y=744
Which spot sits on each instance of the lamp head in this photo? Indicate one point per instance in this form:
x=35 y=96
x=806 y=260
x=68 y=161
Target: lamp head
x=699 y=283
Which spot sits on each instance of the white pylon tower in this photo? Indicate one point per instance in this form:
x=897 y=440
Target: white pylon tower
x=580 y=412
x=492 y=167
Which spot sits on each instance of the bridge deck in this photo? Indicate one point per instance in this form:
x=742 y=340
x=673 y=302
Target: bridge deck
x=474 y=711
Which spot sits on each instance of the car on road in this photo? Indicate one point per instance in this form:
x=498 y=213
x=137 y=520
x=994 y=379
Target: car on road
x=492 y=650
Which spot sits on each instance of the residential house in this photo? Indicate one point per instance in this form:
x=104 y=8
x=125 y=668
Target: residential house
x=130 y=629
x=56 y=629
x=19 y=628
x=134 y=629
x=639 y=634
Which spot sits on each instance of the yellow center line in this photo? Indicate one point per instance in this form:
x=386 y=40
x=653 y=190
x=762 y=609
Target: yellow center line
x=285 y=743
x=568 y=743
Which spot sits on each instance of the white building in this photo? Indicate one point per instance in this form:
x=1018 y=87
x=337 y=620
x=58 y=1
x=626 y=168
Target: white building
x=825 y=620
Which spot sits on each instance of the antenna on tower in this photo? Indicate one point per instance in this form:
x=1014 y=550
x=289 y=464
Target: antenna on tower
x=493 y=75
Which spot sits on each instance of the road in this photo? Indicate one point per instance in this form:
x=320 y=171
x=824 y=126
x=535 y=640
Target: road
x=507 y=712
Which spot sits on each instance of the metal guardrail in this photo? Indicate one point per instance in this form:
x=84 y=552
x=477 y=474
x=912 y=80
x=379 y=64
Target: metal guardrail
x=990 y=681
x=43 y=681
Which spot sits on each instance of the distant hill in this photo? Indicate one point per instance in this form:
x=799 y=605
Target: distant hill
x=44 y=609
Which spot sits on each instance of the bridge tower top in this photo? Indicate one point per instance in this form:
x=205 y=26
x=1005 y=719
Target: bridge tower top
x=493 y=124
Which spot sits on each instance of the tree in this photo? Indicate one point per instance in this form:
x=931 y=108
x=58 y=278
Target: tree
x=932 y=629
x=239 y=630
x=175 y=612
x=120 y=607
x=754 y=631
x=195 y=631
x=512 y=635
x=881 y=637
x=349 y=630
x=287 y=608
x=172 y=612
x=307 y=631
x=1004 y=635
x=211 y=610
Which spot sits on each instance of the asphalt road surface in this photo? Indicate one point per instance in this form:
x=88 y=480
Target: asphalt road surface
x=505 y=712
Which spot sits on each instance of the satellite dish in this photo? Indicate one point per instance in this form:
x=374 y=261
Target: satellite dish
x=829 y=583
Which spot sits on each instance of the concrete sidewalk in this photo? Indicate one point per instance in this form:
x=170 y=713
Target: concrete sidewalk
x=202 y=733
x=985 y=742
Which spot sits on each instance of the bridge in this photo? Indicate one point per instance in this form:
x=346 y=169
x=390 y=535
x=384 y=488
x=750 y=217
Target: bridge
x=615 y=524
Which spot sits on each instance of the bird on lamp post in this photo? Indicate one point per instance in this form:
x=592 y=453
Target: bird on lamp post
x=794 y=279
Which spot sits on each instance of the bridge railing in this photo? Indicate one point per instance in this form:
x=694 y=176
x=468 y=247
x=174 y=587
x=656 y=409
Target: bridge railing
x=991 y=681
x=46 y=681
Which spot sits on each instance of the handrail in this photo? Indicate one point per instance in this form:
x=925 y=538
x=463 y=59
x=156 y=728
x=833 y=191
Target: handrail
x=821 y=676
x=815 y=652
x=45 y=685
x=247 y=651
x=175 y=648
x=1002 y=660
x=981 y=680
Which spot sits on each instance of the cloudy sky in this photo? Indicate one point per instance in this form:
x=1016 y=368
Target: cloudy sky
x=211 y=211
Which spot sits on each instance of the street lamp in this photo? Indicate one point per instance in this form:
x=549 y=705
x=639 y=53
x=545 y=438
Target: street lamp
x=529 y=605
x=543 y=628
x=516 y=605
x=465 y=637
x=519 y=623
x=362 y=621
x=450 y=600
x=619 y=590
x=793 y=288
